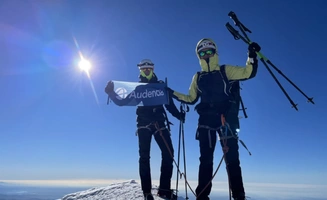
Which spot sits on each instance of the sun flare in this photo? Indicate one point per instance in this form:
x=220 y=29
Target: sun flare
x=84 y=65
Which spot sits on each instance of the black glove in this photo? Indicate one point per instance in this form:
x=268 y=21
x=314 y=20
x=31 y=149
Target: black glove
x=182 y=116
x=170 y=91
x=110 y=87
x=252 y=49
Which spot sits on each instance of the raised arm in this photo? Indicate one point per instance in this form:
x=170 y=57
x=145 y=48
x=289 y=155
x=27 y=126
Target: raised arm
x=115 y=97
x=242 y=73
x=118 y=100
x=250 y=70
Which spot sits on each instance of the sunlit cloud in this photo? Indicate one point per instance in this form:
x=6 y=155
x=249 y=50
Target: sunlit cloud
x=65 y=183
x=286 y=191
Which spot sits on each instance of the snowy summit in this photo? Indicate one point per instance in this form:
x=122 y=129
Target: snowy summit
x=117 y=191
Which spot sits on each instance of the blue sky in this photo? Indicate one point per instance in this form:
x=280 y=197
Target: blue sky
x=55 y=123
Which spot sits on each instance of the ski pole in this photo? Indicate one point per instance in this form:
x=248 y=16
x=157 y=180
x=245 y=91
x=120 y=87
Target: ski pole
x=247 y=40
x=108 y=100
x=263 y=59
x=244 y=29
x=184 y=152
x=237 y=35
x=178 y=157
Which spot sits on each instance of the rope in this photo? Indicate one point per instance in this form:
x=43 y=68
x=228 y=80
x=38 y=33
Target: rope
x=225 y=150
x=172 y=156
x=225 y=126
x=224 y=130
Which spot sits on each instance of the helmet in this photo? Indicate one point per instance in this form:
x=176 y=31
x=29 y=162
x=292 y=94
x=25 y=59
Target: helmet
x=204 y=44
x=145 y=63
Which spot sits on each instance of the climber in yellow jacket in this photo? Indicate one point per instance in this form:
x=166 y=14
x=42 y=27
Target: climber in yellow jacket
x=217 y=108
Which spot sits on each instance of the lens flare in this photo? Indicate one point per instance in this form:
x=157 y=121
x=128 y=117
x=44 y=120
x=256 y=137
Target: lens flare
x=85 y=65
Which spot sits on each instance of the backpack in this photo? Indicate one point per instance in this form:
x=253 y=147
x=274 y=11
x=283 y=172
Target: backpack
x=234 y=90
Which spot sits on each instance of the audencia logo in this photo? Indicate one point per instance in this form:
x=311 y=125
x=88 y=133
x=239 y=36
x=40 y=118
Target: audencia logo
x=122 y=93
x=147 y=94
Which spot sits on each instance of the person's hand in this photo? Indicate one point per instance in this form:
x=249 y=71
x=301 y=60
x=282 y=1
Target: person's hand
x=252 y=49
x=182 y=116
x=110 y=87
x=169 y=90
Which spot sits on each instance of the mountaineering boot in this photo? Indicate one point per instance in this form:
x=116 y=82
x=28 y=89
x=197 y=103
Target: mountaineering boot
x=203 y=198
x=240 y=198
x=148 y=196
x=167 y=194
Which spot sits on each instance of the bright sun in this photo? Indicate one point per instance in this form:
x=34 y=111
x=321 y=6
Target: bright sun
x=84 y=65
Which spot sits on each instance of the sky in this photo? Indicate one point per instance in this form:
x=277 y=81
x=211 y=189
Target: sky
x=55 y=123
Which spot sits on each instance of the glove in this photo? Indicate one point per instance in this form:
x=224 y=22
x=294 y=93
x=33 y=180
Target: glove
x=170 y=91
x=252 y=49
x=110 y=87
x=182 y=116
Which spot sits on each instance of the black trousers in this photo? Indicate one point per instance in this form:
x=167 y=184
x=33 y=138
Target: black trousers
x=164 y=142
x=207 y=142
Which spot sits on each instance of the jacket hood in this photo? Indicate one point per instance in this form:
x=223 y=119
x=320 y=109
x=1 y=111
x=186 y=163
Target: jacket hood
x=213 y=63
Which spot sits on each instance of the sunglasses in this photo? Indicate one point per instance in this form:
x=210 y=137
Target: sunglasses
x=207 y=52
x=145 y=63
x=146 y=69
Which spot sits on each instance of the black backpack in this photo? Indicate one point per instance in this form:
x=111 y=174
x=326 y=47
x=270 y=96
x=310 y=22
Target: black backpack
x=235 y=92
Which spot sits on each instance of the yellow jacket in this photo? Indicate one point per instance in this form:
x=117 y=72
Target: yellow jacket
x=232 y=73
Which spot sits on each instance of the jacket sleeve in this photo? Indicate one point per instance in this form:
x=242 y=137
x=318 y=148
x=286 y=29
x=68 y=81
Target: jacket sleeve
x=192 y=97
x=242 y=73
x=171 y=107
x=118 y=100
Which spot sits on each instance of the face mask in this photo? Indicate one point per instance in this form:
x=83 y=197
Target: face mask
x=147 y=76
x=213 y=63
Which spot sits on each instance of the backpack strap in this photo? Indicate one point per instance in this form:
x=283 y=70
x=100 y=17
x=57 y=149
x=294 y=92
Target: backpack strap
x=223 y=72
x=197 y=78
x=234 y=84
x=198 y=73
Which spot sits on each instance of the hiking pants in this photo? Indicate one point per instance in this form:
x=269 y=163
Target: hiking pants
x=207 y=136
x=163 y=139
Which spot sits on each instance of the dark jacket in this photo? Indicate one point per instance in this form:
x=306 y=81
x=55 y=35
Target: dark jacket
x=148 y=114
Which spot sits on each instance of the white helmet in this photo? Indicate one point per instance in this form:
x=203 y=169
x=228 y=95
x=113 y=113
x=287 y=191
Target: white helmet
x=205 y=43
x=145 y=63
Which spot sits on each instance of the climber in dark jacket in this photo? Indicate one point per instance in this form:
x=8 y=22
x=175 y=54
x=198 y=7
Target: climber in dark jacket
x=152 y=121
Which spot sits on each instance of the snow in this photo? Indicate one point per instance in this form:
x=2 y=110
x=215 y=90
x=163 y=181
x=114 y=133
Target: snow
x=127 y=190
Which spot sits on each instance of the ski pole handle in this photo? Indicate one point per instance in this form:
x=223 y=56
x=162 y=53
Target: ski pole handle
x=233 y=16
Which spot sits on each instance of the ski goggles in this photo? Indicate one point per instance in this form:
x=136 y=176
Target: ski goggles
x=145 y=64
x=206 y=52
x=146 y=68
